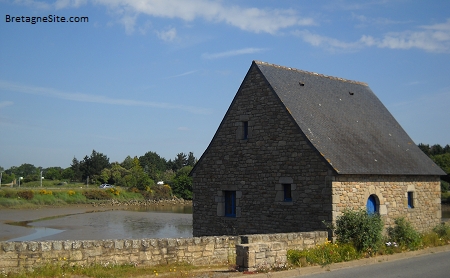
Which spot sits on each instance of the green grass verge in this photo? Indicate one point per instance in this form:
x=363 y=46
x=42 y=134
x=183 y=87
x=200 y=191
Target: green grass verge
x=64 y=269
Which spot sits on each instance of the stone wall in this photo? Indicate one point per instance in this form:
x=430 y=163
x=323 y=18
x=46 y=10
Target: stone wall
x=352 y=192
x=275 y=152
x=270 y=250
x=198 y=251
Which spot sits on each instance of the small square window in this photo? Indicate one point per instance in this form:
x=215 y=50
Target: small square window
x=410 y=199
x=230 y=203
x=287 y=192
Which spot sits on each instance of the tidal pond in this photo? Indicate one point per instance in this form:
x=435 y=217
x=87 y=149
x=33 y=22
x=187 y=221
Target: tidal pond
x=134 y=223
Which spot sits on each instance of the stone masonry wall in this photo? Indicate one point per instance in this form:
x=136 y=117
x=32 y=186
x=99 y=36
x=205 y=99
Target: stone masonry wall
x=270 y=250
x=197 y=251
x=274 y=153
x=352 y=192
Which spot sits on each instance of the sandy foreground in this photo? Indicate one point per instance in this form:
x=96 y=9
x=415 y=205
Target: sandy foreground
x=15 y=215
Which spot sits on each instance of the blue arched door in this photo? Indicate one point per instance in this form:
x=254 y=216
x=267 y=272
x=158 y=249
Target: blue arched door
x=371 y=204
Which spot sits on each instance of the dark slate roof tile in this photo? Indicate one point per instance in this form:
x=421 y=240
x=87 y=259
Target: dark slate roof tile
x=347 y=123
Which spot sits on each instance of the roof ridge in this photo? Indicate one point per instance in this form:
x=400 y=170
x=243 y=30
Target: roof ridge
x=310 y=73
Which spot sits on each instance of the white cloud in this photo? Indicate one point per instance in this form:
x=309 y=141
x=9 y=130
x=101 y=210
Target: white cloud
x=183 y=128
x=232 y=53
x=167 y=36
x=331 y=44
x=378 y=21
x=247 y=19
x=430 y=38
x=5 y=103
x=80 y=97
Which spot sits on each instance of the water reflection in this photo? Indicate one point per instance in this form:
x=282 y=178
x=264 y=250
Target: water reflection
x=38 y=233
x=135 y=223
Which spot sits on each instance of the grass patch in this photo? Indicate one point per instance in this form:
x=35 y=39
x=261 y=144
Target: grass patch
x=65 y=269
x=323 y=254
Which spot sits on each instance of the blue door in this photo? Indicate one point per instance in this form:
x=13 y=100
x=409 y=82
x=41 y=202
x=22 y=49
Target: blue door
x=371 y=205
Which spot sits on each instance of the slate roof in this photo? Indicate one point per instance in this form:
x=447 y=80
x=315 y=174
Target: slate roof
x=346 y=122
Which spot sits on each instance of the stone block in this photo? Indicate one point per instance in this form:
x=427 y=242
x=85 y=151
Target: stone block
x=46 y=246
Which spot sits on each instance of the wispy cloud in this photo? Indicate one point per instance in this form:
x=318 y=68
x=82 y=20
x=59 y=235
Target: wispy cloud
x=230 y=53
x=377 y=21
x=430 y=38
x=331 y=44
x=5 y=103
x=167 y=35
x=183 y=74
x=245 y=18
x=80 y=97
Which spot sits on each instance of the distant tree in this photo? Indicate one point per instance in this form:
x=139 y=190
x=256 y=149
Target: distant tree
x=138 y=178
x=425 y=148
x=182 y=183
x=443 y=160
x=179 y=161
x=191 y=160
x=52 y=173
x=68 y=174
x=447 y=148
x=92 y=166
x=26 y=170
x=153 y=164
x=127 y=163
x=436 y=150
x=75 y=166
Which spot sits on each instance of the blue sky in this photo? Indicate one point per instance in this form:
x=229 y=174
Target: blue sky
x=159 y=75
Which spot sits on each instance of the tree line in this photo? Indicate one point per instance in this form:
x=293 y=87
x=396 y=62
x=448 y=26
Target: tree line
x=441 y=156
x=142 y=173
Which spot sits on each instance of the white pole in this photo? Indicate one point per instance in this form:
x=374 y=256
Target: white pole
x=41 y=178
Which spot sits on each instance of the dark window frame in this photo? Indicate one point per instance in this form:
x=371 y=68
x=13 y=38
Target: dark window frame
x=245 y=130
x=410 y=199
x=287 y=192
x=230 y=203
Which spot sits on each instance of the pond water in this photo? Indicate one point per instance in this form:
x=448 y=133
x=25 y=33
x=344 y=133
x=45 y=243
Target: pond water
x=137 y=223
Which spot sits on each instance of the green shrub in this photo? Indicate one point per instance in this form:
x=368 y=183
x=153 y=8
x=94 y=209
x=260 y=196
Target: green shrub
x=11 y=203
x=445 y=197
x=404 y=234
x=46 y=199
x=445 y=186
x=360 y=229
x=8 y=193
x=27 y=194
x=96 y=194
x=443 y=231
x=70 y=197
x=323 y=254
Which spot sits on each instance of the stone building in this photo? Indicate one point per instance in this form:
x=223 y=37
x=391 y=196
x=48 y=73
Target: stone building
x=296 y=148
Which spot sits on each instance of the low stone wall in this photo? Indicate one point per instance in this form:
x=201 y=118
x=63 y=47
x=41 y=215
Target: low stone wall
x=200 y=251
x=269 y=250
